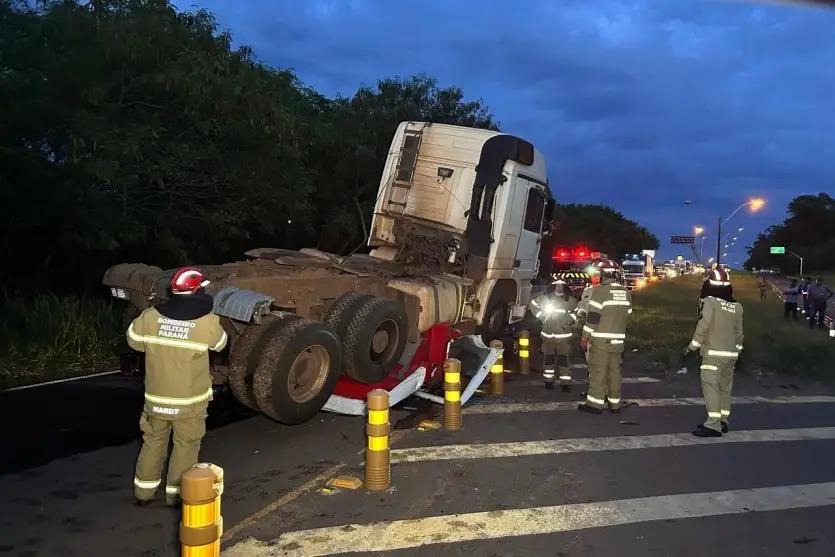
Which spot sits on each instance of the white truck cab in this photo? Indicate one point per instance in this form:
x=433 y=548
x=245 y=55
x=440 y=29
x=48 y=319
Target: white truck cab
x=470 y=201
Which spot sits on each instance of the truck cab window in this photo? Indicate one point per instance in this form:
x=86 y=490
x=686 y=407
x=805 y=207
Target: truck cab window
x=534 y=211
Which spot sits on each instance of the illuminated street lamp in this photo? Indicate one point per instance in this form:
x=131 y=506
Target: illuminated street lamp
x=698 y=230
x=756 y=203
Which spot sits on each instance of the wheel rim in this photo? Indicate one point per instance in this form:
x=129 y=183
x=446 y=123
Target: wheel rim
x=308 y=373
x=384 y=341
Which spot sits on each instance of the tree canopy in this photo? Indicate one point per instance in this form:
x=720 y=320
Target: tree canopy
x=809 y=231
x=132 y=131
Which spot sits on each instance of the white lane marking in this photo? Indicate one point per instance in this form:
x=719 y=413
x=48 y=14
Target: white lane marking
x=516 y=407
x=590 y=444
x=295 y=493
x=24 y=387
x=535 y=380
x=455 y=528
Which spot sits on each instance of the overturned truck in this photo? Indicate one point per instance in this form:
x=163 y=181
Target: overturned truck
x=454 y=241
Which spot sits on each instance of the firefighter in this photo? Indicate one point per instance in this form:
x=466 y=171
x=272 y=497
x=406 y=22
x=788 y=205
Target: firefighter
x=555 y=310
x=583 y=306
x=603 y=337
x=176 y=336
x=718 y=337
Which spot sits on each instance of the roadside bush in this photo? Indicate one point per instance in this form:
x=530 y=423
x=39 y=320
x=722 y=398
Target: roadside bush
x=48 y=337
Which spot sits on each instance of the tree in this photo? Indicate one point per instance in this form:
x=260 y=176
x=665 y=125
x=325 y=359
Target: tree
x=809 y=231
x=132 y=131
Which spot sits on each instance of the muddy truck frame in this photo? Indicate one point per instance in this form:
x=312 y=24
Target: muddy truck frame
x=454 y=246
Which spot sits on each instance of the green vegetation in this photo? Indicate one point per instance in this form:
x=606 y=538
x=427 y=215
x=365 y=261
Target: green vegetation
x=809 y=231
x=48 y=337
x=665 y=317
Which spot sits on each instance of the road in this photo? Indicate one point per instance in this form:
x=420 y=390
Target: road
x=528 y=475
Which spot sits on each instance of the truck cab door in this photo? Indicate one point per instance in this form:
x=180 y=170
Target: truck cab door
x=532 y=203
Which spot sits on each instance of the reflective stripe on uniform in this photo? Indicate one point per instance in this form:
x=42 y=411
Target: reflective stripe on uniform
x=614 y=400
x=739 y=348
x=695 y=343
x=143 y=484
x=629 y=311
x=722 y=353
x=588 y=329
x=607 y=335
x=557 y=335
x=187 y=344
x=538 y=314
x=178 y=401
x=595 y=400
x=220 y=343
x=172 y=489
x=565 y=377
x=719 y=283
x=548 y=373
x=725 y=413
x=594 y=304
x=616 y=342
x=616 y=303
x=709 y=367
x=714 y=414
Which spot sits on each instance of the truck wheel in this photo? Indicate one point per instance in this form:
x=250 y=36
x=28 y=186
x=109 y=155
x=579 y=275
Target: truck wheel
x=495 y=320
x=296 y=370
x=342 y=310
x=374 y=339
x=243 y=357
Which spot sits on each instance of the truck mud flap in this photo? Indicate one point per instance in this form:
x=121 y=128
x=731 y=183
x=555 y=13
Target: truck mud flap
x=356 y=407
x=476 y=360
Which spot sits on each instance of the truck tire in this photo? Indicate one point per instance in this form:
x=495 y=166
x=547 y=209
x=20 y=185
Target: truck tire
x=243 y=357
x=296 y=370
x=495 y=321
x=342 y=310
x=374 y=339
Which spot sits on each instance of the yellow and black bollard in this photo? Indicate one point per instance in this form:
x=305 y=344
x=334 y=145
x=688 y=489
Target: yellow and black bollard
x=202 y=525
x=497 y=370
x=453 y=420
x=524 y=352
x=377 y=464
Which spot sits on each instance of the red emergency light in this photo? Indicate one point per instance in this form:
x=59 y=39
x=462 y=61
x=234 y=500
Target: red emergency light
x=571 y=253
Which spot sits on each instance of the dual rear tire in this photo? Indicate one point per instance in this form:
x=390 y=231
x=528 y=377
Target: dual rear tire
x=287 y=367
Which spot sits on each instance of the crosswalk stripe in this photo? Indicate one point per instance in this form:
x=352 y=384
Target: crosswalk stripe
x=590 y=444
x=517 y=407
x=454 y=528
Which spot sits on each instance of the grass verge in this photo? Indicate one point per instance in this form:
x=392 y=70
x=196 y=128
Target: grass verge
x=48 y=337
x=665 y=317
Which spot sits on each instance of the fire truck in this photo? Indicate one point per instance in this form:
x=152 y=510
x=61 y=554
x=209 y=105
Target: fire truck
x=575 y=265
x=454 y=247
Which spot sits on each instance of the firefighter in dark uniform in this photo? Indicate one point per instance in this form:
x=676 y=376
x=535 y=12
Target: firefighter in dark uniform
x=176 y=337
x=719 y=338
x=604 y=334
x=555 y=310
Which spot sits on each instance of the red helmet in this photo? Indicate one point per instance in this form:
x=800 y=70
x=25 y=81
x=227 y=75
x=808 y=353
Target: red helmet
x=719 y=277
x=187 y=280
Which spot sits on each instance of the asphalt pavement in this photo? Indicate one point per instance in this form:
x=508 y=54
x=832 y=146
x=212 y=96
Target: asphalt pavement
x=528 y=475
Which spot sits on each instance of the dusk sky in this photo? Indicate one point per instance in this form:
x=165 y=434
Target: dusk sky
x=640 y=104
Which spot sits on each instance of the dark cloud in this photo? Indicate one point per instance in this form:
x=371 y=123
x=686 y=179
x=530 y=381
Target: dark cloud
x=637 y=103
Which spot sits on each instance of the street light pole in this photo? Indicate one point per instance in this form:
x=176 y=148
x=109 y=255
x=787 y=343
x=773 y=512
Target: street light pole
x=801 y=262
x=718 y=240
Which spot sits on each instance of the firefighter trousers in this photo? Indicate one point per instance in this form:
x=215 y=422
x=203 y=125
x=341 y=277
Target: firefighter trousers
x=156 y=432
x=604 y=376
x=717 y=382
x=555 y=355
